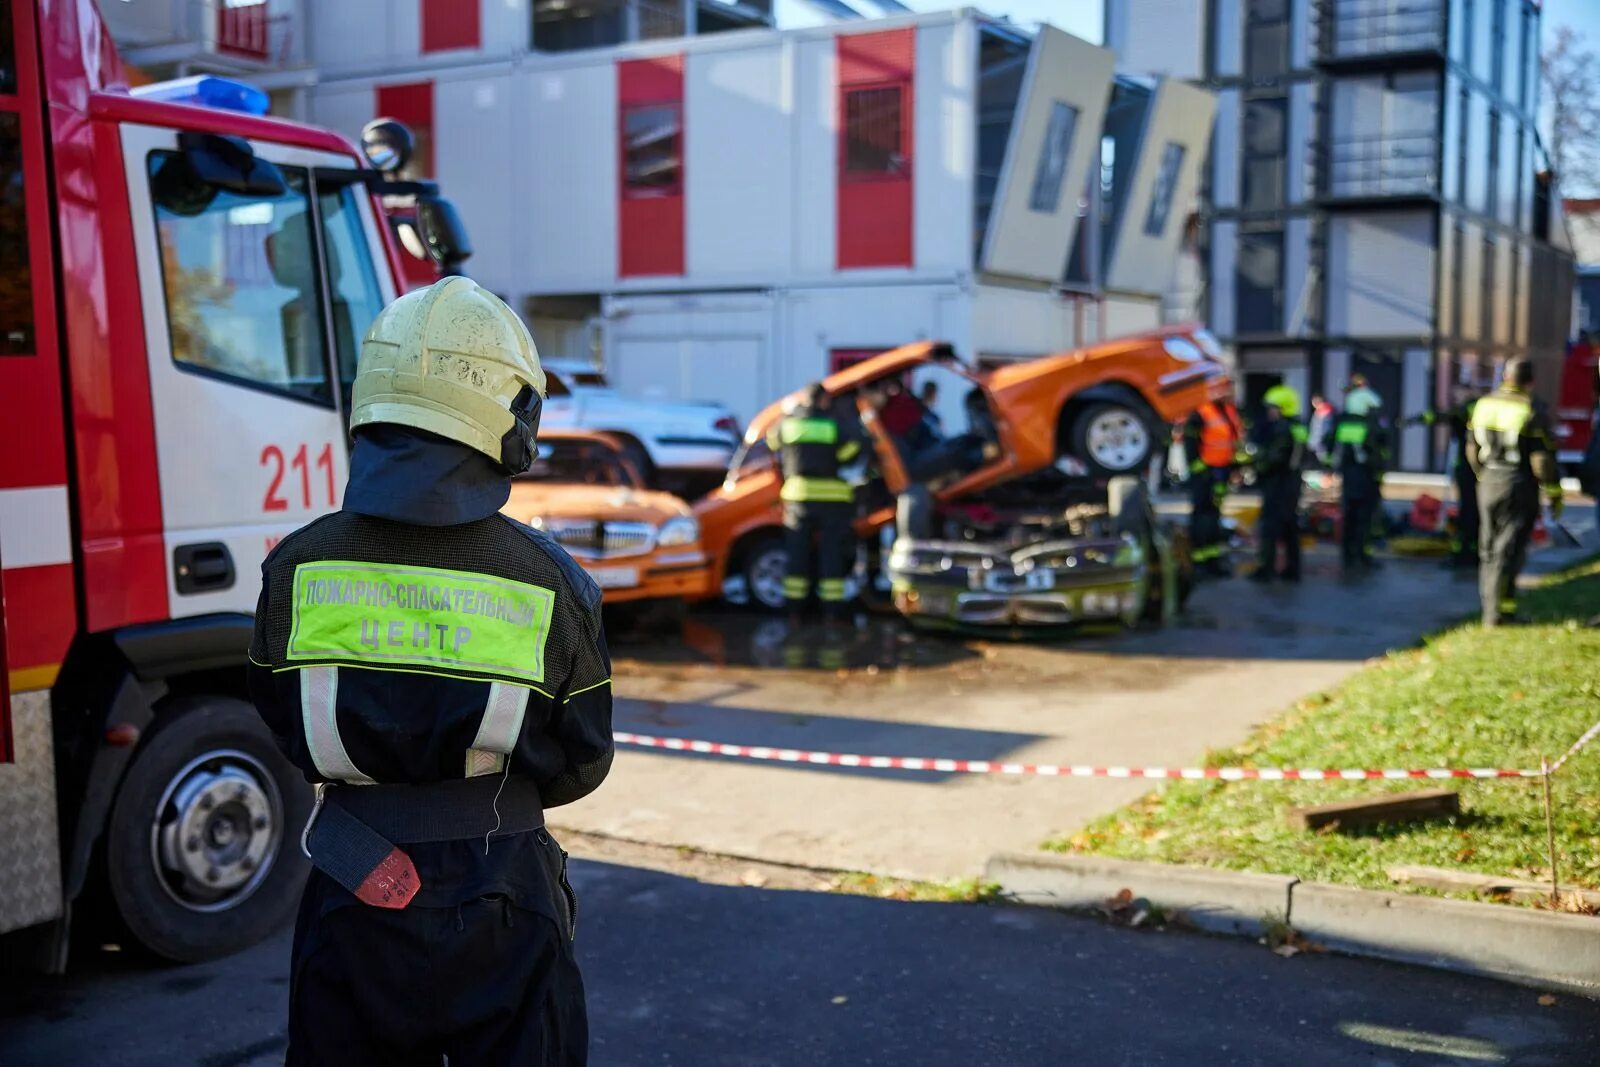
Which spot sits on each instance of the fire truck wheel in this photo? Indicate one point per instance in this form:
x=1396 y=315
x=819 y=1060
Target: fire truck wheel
x=202 y=851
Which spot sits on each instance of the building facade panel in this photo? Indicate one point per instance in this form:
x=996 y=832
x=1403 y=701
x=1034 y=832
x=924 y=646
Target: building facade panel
x=877 y=163
x=1381 y=274
x=946 y=125
x=739 y=201
x=651 y=126
x=572 y=240
x=479 y=134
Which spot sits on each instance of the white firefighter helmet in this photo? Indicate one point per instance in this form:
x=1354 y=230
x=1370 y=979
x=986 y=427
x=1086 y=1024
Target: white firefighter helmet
x=454 y=360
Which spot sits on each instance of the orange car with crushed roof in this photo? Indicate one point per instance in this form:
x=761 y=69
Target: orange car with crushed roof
x=636 y=543
x=1103 y=405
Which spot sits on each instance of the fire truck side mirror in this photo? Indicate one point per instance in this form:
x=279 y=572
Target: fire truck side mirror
x=229 y=163
x=387 y=144
x=443 y=233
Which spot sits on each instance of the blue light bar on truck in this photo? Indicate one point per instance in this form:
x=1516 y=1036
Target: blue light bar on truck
x=208 y=90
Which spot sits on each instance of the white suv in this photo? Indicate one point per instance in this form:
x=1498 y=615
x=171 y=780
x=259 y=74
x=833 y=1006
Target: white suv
x=680 y=446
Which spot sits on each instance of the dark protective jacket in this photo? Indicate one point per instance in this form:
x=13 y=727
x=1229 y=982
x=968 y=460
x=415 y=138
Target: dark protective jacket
x=1360 y=441
x=418 y=635
x=1279 y=447
x=1510 y=435
x=811 y=447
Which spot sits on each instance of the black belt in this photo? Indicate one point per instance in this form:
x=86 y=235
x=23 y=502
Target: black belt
x=353 y=830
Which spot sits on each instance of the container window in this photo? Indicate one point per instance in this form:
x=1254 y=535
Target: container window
x=874 y=132
x=652 y=150
x=1155 y=224
x=1045 y=197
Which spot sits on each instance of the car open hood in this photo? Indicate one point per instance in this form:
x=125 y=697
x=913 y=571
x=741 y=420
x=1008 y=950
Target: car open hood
x=609 y=503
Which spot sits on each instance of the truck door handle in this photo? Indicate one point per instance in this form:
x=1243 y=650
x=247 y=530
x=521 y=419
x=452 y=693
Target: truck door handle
x=204 y=568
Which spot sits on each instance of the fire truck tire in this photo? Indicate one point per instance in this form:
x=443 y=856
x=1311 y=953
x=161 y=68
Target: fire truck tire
x=202 y=846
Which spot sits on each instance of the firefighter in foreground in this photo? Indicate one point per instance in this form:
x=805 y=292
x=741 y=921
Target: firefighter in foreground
x=1360 y=454
x=440 y=672
x=818 y=504
x=1279 y=442
x=1511 y=448
x=1210 y=443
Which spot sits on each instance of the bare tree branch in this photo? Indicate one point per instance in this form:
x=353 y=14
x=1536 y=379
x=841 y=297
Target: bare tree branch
x=1572 y=93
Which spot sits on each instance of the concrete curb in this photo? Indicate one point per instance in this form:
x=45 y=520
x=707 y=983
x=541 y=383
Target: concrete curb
x=1222 y=902
x=1546 y=950
x=1539 y=948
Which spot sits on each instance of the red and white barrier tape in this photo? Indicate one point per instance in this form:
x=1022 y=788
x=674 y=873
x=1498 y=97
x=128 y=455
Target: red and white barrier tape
x=1053 y=770
x=1592 y=733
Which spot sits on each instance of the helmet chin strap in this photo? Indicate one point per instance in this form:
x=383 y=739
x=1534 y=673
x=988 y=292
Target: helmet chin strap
x=518 y=446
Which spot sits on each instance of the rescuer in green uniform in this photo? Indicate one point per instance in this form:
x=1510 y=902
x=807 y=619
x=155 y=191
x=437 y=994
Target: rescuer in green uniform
x=1513 y=451
x=818 y=504
x=1360 y=453
x=1279 y=442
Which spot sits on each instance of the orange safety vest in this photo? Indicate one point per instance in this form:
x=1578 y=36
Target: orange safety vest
x=1219 y=435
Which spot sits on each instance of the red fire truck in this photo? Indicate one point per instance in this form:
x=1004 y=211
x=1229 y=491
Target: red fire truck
x=182 y=291
x=1575 y=410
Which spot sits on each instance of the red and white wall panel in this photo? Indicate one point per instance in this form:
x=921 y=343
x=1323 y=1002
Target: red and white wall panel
x=533 y=154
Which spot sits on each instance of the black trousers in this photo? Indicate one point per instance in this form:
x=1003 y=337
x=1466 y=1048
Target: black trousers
x=1205 y=514
x=1508 y=505
x=1359 y=501
x=487 y=983
x=1467 y=520
x=1280 y=523
x=817 y=532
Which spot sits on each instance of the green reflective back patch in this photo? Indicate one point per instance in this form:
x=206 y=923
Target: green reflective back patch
x=803 y=431
x=383 y=615
x=1350 y=433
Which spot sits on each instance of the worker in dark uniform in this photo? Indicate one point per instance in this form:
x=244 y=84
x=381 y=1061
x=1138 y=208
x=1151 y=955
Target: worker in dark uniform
x=1513 y=452
x=1279 y=443
x=1464 y=546
x=1210 y=443
x=818 y=504
x=440 y=672
x=1360 y=455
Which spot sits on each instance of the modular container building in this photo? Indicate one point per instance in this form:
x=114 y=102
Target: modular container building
x=727 y=216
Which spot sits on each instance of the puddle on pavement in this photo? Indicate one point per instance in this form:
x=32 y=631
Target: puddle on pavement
x=748 y=639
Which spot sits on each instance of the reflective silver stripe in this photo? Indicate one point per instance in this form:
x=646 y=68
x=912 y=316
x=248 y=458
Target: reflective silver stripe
x=501 y=726
x=319 y=703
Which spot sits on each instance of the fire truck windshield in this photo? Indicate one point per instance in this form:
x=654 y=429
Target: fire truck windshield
x=243 y=283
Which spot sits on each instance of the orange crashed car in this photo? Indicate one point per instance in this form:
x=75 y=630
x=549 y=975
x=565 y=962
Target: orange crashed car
x=1105 y=406
x=636 y=543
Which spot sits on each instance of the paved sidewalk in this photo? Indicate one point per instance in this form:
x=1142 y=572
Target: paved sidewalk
x=1242 y=655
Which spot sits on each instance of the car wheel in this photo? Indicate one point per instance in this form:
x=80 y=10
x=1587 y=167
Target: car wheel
x=765 y=563
x=202 y=858
x=1112 y=438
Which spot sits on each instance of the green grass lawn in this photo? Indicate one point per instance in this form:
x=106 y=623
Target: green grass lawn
x=1467 y=698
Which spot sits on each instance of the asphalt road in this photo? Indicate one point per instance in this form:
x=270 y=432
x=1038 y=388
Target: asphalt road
x=681 y=972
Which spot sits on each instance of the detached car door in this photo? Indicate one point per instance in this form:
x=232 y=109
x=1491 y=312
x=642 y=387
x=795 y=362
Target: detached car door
x=1055 y=138
x=254 y=307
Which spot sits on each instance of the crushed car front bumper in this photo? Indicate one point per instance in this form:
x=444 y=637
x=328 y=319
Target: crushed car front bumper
x=1052 y=583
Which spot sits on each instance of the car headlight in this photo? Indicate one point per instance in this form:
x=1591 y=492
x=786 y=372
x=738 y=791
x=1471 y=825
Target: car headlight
x=1181 y=348
x=680 y=531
